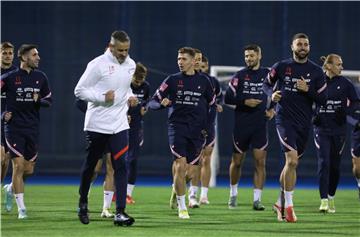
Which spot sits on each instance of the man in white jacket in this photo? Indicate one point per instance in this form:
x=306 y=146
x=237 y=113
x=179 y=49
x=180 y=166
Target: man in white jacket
x=105 y=85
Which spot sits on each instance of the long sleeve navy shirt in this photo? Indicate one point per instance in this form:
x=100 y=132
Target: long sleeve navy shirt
x=248 y=84
x=190 y=96
x=20 y=87
x=295 y=106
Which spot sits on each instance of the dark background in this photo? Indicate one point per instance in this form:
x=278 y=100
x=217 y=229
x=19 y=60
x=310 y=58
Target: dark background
x=70 y=34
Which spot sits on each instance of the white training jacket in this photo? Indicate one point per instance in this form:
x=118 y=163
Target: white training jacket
x=102 y=74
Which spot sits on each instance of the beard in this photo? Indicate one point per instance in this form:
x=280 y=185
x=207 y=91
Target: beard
x=301 y=56
x=251 y=65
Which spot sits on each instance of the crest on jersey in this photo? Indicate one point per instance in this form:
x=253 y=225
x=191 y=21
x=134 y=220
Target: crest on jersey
x=247 y=78
x=235 y=81
x=17 y=80
x=288 y=71
x=163 y=86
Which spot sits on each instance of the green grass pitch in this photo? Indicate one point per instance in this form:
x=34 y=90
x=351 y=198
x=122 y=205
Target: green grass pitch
x=52 y=213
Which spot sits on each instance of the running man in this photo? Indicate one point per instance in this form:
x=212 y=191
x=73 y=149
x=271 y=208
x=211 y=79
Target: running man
x=298 y=83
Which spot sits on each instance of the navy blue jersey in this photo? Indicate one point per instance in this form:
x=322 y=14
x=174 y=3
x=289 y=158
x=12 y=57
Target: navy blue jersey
x=20 y=87
x=219 y=97
x=248 y=84
x=190 y=96
x=3 y=93
x=142 y=93
x=296 y=106
x=341 y=98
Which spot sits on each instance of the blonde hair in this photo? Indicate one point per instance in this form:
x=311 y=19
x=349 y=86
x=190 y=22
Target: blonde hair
x=329 y=59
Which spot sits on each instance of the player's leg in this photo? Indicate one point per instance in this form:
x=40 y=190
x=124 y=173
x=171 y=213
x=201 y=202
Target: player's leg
x=108 y=186
x=205 y=164
x=259 y=177
x=205 y=173
x=356 y=171
x=97 y=143
x=291 y=142
x=119 y=145
x=135 y=143
x=355 y=153
x=337 y=148
x=259 y=142
x=240 y=145
x=193 y=173
x=180 y=165
x=5 y=161
x=323 y=150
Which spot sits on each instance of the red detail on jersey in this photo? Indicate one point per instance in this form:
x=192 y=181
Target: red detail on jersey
x=163 y=86
x=288 y=71
x=180 y=83
x=272 y=73
x=2 y=84
x=247 y=78
x=235 y=81
x=111 y=69
x=17 y=80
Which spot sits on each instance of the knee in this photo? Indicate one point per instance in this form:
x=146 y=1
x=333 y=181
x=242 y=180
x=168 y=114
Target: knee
x=237 y=159
x=292 y=163
x=260 y=163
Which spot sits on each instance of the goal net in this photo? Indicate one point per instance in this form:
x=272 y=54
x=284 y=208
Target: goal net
x=224 y=75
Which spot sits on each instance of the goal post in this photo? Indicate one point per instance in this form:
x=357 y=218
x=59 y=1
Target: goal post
x=224 y=75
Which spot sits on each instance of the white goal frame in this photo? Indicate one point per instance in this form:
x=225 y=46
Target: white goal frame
x=231 y=70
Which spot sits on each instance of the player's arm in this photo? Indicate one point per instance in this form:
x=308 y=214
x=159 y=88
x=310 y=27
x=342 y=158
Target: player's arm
x=233 y=94
x=318 y=92
x=159 y=99
x=43 y=98
x=85 y=90
x=81 y=105
x=146 y=99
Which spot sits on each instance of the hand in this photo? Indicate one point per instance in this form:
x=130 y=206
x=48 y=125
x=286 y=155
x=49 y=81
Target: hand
x=270 y=113
x=252 y=102
x=110 y=96
x=133 y=101
x=36 y=97
x=219 y=108
x=165 y=102
x=129 y=119
x=276 y=96
x=7 y=116
x=301 y=85
x=143 y=111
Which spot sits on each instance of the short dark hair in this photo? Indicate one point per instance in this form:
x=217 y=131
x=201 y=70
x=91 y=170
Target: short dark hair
x=121 y=36
x=254 y=47
x=140 y=69
x=197 y=50
x=24 y=49
x=204 y=59
x=6 y=45
x=299 y=36
x=187 y=50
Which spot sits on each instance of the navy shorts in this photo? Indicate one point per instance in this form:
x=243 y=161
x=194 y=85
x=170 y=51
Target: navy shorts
x=136 y=140
x=355 y=144
x=3 y=142
x=23 y=143
x=184 y=145
x=292 y=138
x=254 y=137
